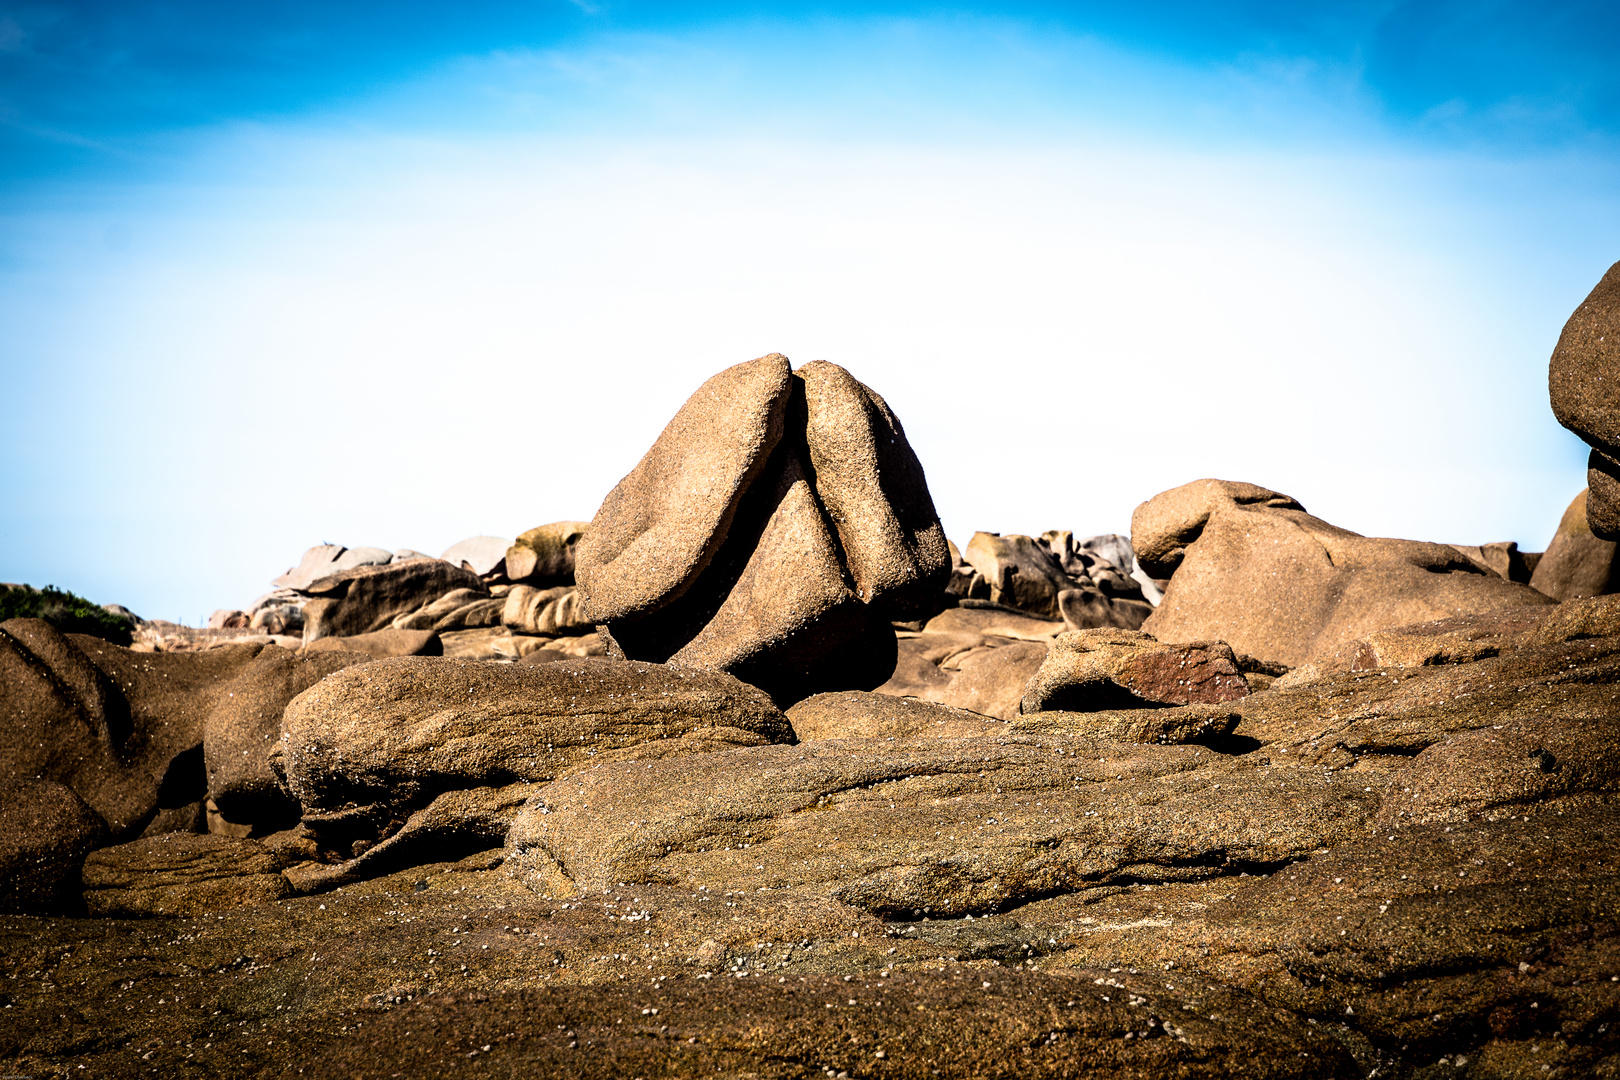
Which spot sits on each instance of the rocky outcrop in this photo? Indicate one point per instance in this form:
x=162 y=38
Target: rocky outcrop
x=1577 y=562
x=1581 y=378
x=370 y=598
x=46 y=830
x=1094 y=670
x=481 y=556
x=244 y=726
x=1058 y=577
x=1250 y=567
x=365 y=748
x=182 y=874
x=122 y=729
x=851 y=714
x=772 y=531
x=544 y=556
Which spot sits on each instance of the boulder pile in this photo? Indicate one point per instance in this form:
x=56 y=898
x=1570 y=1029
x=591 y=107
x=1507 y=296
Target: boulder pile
x=1245 y=794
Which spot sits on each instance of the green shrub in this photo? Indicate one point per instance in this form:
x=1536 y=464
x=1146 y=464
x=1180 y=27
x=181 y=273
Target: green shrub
x=68 y=613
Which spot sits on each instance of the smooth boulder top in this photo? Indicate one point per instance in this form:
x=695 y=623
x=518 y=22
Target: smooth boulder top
x=854 y=714
x=658 y=528
x=1253 y=569
x=395 y=731
x=872 y=486
x=479 y=554
x=1582 y=380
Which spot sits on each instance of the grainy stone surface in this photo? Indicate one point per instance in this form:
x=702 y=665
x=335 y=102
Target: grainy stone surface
x=657 y=530
x=851 y=714
x=370 y=598
x=182 y=874
x=871 y=484
x=366 y=747
x=1251 y=568
x=1581 y=379
x=1576 y=562
x=1089 y=670
x=45 y=832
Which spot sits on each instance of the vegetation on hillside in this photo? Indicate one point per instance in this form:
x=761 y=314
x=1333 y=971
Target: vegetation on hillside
x=67 y=612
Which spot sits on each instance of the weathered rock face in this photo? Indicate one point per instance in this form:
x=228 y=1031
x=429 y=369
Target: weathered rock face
x=555 y=611
x=872 y=487
x=245 y=726
x=383 y=643
x=772 y=531
x=478 y=555
x=851 y=714
x=182 y=874
x=1092 y=670
x=660 y=526
x=1021 y=573
x=365 y=748
x=544 y=556
x=984 y=673
x=1577 y=562
x=370 y=598
x=944 y=827
x=46 y=830
x=1581 y=378
x=124 y=730
x=1251 y=568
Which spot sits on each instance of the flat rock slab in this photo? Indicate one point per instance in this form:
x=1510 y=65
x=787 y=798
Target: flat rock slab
x=852 y=714
x=928 y=826
x=367 y=746
x=182 y=874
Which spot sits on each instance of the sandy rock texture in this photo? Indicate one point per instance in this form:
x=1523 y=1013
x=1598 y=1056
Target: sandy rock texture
x=1250 y=567
x=775 y=527
x=1581 y=379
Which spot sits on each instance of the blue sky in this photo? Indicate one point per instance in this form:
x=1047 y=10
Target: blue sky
x=274 y=275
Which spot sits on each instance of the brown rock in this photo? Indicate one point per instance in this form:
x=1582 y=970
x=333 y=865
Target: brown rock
x=993 y=622
x=872 y=487
x=544 y=556
x=981 y=673
x=659 y=528
x=382 y=643
x=370 y=598
x=245 y=725
x=1020 y=571
x=851 y=714
x=943 y=827
x=1092 y=609
x=1577 y=562
x=1088 y=670
x=556 y=611
x=122 y=729
x=179 y=874
x=1504 y=559
x=45 y=832
x=1253 y=569
x=366 y=747
x=1183 y=724
x=1581 y=379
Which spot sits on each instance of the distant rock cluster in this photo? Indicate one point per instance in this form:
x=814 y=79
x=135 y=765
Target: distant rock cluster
x=757 y=767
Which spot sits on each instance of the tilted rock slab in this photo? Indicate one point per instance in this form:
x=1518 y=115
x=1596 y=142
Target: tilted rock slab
x=1250 y=567
x=366 y=747
x=906 y=827
x=1582 y=377
x=775 y=527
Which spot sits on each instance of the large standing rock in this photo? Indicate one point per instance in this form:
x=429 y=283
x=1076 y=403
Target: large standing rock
x=1091 y=670
x=370 y=598
x=1582 y=378
x=45 y=832
x=717 y=550
x=124 y=730
x=658 y=529
x=1577 y=562
x=366 y=747
x=544 y=556
x=872 y=487
x=1253 y=569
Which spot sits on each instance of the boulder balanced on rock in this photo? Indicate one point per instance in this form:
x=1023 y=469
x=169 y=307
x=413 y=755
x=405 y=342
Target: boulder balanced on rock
x=773 y=530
